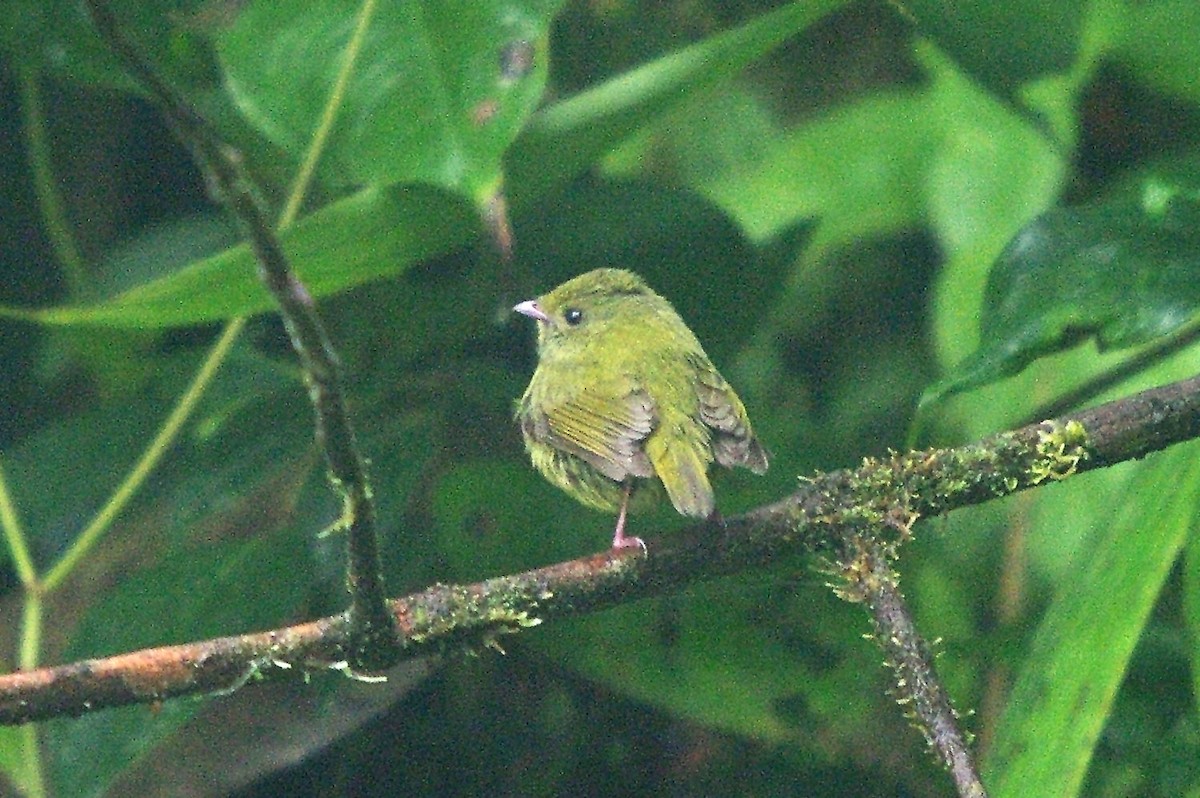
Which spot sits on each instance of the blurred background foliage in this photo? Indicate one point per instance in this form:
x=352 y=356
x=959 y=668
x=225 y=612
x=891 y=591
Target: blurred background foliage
x=857 y=206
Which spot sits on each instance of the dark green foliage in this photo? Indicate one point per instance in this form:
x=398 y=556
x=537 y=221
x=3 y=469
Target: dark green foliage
x=837 y=230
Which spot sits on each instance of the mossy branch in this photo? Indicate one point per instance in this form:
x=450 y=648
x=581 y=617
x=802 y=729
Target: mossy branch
x=870 y=579
x=834 y=514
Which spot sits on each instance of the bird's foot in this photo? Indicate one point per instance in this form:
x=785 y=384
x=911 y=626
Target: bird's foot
x=621 y=541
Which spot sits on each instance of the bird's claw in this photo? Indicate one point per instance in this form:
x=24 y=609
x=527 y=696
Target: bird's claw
x=631 y=542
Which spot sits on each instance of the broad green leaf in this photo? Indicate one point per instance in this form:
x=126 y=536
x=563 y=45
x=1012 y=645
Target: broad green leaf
x=1003 y=44
x=57 y=36
x=1123 y=270
x=17 y=758
x=566 y=137
x=993 y=169
x=379 y=232
x=1191 y=611
x=486 y=532
x=729 y=655
x=255 y=735
x=197 y=592
x=853 y=169
x=992 y=172
x=688 y=259
x=369 y=235
x=159 y=250
x=438 y=89
x=1067 y=683
x=1152 y=47
x=60 y=477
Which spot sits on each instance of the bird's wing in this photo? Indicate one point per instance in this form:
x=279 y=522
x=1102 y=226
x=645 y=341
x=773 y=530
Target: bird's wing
x=605 y=430
x=733 y=443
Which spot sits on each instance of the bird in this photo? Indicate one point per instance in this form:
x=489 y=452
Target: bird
x=624 y=403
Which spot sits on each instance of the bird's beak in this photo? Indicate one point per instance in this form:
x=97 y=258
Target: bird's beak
x=530 y=308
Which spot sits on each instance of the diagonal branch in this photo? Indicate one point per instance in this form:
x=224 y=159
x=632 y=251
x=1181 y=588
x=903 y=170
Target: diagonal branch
x=370 y=621
x=825 y=515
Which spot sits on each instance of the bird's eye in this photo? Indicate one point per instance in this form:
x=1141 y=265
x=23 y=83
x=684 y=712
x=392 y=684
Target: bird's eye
x=573 y=316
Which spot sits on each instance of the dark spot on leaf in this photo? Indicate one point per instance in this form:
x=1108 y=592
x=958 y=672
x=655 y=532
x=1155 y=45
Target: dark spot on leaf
x=212 y=16
x=484 y=112
x=480 y=525
x=668 y=626
x=794 y=710
x=516 y=60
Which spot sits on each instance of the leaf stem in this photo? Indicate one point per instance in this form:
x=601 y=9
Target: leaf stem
x=1182 y=338
x=31 y=630
x=328 y=116
x=35 y=786
x=150 y=457
x=49 y=199
x=14 y=535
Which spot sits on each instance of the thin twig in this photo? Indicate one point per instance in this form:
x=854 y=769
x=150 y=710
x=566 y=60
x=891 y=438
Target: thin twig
x=826 y=511
x=1160 y=350
x=370 y=621
x=872 y=581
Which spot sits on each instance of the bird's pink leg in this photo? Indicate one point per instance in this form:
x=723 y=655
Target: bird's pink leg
x=619 y=539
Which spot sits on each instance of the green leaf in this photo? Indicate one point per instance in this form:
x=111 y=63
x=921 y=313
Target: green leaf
x=17 y=756
x=160 y=249
x=992 y=172
x=58 y=36
x=882 y=143
x=565 y=138
x=1152 y=47
x=485 y=532
x=224 y=540
x=1067 y=683
x=379 y=232
x=681 y=244
x=993 y=169
x=197 y=592
x=1191 y=607
x=1125 y=271
x=372 y=234
x=197 y=552
x=1003 y=44
x=437 y=92
x=726 y=655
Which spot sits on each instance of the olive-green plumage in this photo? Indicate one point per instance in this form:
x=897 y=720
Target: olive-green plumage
x=624 y=399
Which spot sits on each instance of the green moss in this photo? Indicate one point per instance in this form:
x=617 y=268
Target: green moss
x=1060 y=448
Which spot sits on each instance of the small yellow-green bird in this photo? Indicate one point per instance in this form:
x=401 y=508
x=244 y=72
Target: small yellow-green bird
x=624 y=400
